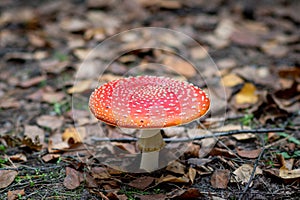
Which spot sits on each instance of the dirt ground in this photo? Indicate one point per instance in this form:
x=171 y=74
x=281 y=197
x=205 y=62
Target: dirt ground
x=244 y=54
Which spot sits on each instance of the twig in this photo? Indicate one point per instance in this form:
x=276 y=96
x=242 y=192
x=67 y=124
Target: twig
x=175 y=140
x=254 y=169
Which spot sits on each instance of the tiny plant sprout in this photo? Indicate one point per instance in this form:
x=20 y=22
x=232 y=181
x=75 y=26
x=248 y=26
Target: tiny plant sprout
x=148 y=103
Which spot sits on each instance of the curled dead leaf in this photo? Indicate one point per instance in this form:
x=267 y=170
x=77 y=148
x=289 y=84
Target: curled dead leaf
x=247 y=95
x=72 y=179
x=243 y=173
x=15 y=194
x=220 y=178
x=7 y=177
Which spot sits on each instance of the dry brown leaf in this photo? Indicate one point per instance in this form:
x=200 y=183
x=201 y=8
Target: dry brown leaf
x=176 y=167
x=130 y=148
x=220 y=178
x=74 y=25
x=190 y=193
x=72 y=179
x=289 y=174
x=15 y=194
x=199 y=161
x=9 y=103
x=56 y=147
x=173 y=179
x=52 y=122
x=54 y=66
x=109 y=77
x=180 y=66
x=142 y=182
x=100 y=173
x=80 y=86
x=273 y=48
x=31 y=82
x=73 y=136
x=53 y=97
x=243 y=173
x=247 y=95
x=32 y=144
x=18 y=157
x=90 y=181
x=249 y=153
x=192 y=174
x=222 y=152
x=50 y=157
x=227 y=63
x=7 y=177
x=206 y=144
x=198 y=53
x=35 y=133
x=231 y=80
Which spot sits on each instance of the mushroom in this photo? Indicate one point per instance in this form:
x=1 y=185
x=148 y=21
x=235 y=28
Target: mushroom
x=148 y=103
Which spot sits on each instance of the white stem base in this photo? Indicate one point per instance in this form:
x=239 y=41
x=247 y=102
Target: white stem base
x=150 y=143
x=149 y=161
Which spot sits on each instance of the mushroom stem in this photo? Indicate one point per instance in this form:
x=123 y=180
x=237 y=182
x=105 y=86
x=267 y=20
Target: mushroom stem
x=150 y=142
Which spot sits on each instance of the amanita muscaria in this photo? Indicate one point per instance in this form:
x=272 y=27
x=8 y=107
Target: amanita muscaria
x=148 y=103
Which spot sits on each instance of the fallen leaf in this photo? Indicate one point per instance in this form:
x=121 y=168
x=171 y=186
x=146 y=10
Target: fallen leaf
x=54 y=66
x=249 y=153
x=90 y=181
x=73 y=136
x=199 y=161
x=142 y=183
x=222 y=152
x=289 y=174
x=74 y=25
x=179 y=66
x=191 y=193
x=49 y=121
x=206 y=144
x=173 y=179
x=56 y=147
x=32 y=144
x=7 y=177
x=100 y=173
x=247 y=95
x=72 y=179
x=192 y=174
x=226 y=63
x=231 y=80
x=130 y=148
x=80 y=86
x=15 y=194
x=35 y=133
x=50 y=156
x=243 y=173
x=109 y=77
x=9 y=103
x=53 y=97
x=244 y=37
x=18 y=157
x=220 y=178
x=31 y=82
x=18 y=56
x=273 y=48
x=176 y=167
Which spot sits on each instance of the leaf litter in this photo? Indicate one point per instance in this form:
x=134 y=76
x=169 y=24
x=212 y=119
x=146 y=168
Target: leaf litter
x=44 y=45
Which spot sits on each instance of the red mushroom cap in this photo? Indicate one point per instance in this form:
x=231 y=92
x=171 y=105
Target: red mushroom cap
x=148 y=102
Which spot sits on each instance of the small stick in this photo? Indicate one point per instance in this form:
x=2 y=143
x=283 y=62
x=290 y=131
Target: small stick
x=254 y=168
x=175 y=140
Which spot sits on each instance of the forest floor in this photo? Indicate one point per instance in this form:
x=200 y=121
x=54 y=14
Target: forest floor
x=244 y=54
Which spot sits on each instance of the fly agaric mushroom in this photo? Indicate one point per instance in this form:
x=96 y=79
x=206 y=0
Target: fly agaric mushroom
x=148 y=103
